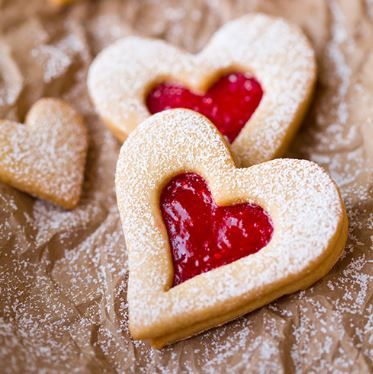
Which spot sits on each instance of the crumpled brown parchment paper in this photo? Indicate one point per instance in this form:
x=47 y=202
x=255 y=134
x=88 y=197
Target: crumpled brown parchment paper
x=63 y=274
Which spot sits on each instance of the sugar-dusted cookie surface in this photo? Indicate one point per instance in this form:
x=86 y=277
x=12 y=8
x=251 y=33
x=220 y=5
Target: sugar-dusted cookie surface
x=303 y=203
x=274 y=52
x=45 y=157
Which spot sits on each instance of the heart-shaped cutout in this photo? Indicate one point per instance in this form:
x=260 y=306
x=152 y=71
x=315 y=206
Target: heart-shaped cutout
x=305 y=207
x=46 y=156
x=203 y=235
x=271 y=50
x=228 y=103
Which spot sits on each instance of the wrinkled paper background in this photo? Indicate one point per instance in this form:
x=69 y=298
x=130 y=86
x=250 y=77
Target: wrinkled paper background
x=63 y=274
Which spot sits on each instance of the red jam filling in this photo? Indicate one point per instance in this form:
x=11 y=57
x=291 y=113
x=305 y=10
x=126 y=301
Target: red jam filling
x=204 y=236
x=229 y=102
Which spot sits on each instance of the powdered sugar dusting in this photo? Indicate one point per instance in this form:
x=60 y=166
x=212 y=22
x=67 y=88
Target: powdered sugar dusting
x=11 y=81
x=183 y=140
x=45 y=157
x=120 y=77
x=56 y=62
x=327 y=328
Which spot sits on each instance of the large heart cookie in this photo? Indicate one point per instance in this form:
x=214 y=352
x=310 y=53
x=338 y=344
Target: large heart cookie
x=287 y=213
x=46 y=156
x=261 y=71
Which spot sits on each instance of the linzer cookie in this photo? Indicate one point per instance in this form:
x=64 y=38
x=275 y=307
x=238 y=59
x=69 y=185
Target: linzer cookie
x=253 y=80
x=45 y=157
x=208 y=242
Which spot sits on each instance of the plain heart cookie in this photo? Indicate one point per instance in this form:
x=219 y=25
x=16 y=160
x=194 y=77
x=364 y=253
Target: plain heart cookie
x=45 y=157
x=185 y=206
x=254 y=80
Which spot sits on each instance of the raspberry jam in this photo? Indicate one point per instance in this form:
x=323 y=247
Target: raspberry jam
x=229 y=102
x=204 y=236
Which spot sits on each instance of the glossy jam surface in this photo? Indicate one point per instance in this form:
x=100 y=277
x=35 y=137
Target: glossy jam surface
x=229 y=102
x=204 y=236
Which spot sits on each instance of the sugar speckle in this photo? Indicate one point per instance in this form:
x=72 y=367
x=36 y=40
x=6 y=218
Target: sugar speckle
x=61 y=310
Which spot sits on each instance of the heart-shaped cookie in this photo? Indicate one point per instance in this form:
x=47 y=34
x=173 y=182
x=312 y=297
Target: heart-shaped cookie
x=46 y=156
x=294 y=199
x=254 y=55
